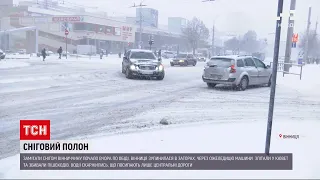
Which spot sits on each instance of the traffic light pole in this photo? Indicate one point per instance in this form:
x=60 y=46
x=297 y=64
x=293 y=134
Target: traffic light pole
x=66 y=46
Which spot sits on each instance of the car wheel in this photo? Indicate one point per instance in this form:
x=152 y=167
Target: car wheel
x=161 y=77
x=194 y=63
x=270 y=80
x=128 y=74
x=186 y=63
x=243 y=83
x=211 y=85
x=171 y=64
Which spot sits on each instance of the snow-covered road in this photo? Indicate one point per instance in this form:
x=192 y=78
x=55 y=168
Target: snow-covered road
x=84 y=97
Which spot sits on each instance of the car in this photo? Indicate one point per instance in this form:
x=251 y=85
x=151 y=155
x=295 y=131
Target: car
x=142 y=63
x=49 y=53
x=237 y=71
x=168 y=55
x=2 y=54
x=64 y=53
x=184 y=60
x=201 y=59
x=22 y=51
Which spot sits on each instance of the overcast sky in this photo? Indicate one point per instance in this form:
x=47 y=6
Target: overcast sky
x=233 y=16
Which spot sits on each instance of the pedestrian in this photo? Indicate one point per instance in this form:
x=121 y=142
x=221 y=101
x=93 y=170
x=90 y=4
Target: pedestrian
x=101 y=53
x=159 y=53
x=44 y=53
x=60 y=52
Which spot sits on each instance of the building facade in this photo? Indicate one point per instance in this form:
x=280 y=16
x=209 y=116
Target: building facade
x=176 y=24
x=148 y=16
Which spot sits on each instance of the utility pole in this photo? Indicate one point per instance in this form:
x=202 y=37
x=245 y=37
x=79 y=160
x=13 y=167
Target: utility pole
x=287 y=56
x=213 y=50
x=274 y=77
x=306 y=47
x=140 y=22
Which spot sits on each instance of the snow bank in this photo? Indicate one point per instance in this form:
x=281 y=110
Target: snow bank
x=205 y=138
x=7 y=64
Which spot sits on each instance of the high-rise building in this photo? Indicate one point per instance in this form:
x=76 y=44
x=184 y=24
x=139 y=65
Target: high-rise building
x=148 y=16
x=176 y=24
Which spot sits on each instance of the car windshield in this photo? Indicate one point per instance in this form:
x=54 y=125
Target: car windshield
x=221 y=62
x=142 y=55
x=182 y=55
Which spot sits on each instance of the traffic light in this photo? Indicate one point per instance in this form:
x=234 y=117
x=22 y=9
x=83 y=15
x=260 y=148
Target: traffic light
x=151 y=41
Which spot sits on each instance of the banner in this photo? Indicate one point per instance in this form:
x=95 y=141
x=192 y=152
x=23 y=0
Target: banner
x=39 y=152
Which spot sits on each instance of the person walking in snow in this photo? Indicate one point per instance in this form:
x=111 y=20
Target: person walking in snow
x=44 y=53
x=101 y=53
x=60 y=52
x=159 y=53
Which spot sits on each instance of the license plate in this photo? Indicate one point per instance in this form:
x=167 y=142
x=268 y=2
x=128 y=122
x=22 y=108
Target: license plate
x=215 y=77
x=146 y=72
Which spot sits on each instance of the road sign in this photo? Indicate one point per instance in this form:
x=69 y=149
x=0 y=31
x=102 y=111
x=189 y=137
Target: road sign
x=66 y=32
x=294 y=44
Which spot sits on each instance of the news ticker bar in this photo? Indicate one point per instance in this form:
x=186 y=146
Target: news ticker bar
x=154 y=161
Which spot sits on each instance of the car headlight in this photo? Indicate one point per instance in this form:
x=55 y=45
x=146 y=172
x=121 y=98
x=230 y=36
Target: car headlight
x=133 y=67
x=160 y=68
x=181 y=61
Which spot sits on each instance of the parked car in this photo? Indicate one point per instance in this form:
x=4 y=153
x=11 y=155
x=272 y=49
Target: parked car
x=184 y=60
x=64 y=53
x=237 y=71
x=22 y=51
x=142 y=63
x=49 y=53
x=2 y=54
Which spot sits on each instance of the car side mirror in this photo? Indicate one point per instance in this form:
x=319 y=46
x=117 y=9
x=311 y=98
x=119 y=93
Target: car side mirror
x=268 y=66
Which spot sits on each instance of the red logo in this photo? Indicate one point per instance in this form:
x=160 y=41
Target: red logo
x=34 y=129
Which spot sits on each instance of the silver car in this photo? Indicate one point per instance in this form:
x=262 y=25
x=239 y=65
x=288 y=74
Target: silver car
x=237 y=71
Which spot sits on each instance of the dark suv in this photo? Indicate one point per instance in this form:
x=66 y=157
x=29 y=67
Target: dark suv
x=142 y=63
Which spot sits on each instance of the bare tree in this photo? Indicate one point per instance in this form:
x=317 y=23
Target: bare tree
x=313 y=44
x=232 y=44
x=196 y=33
x=249 y=43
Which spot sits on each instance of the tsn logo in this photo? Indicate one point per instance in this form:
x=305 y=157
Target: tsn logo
x=34 y=129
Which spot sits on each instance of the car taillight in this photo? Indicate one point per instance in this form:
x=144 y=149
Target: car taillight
x=232 y=69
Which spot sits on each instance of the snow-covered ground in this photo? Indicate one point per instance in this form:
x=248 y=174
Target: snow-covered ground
x=90 y=98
